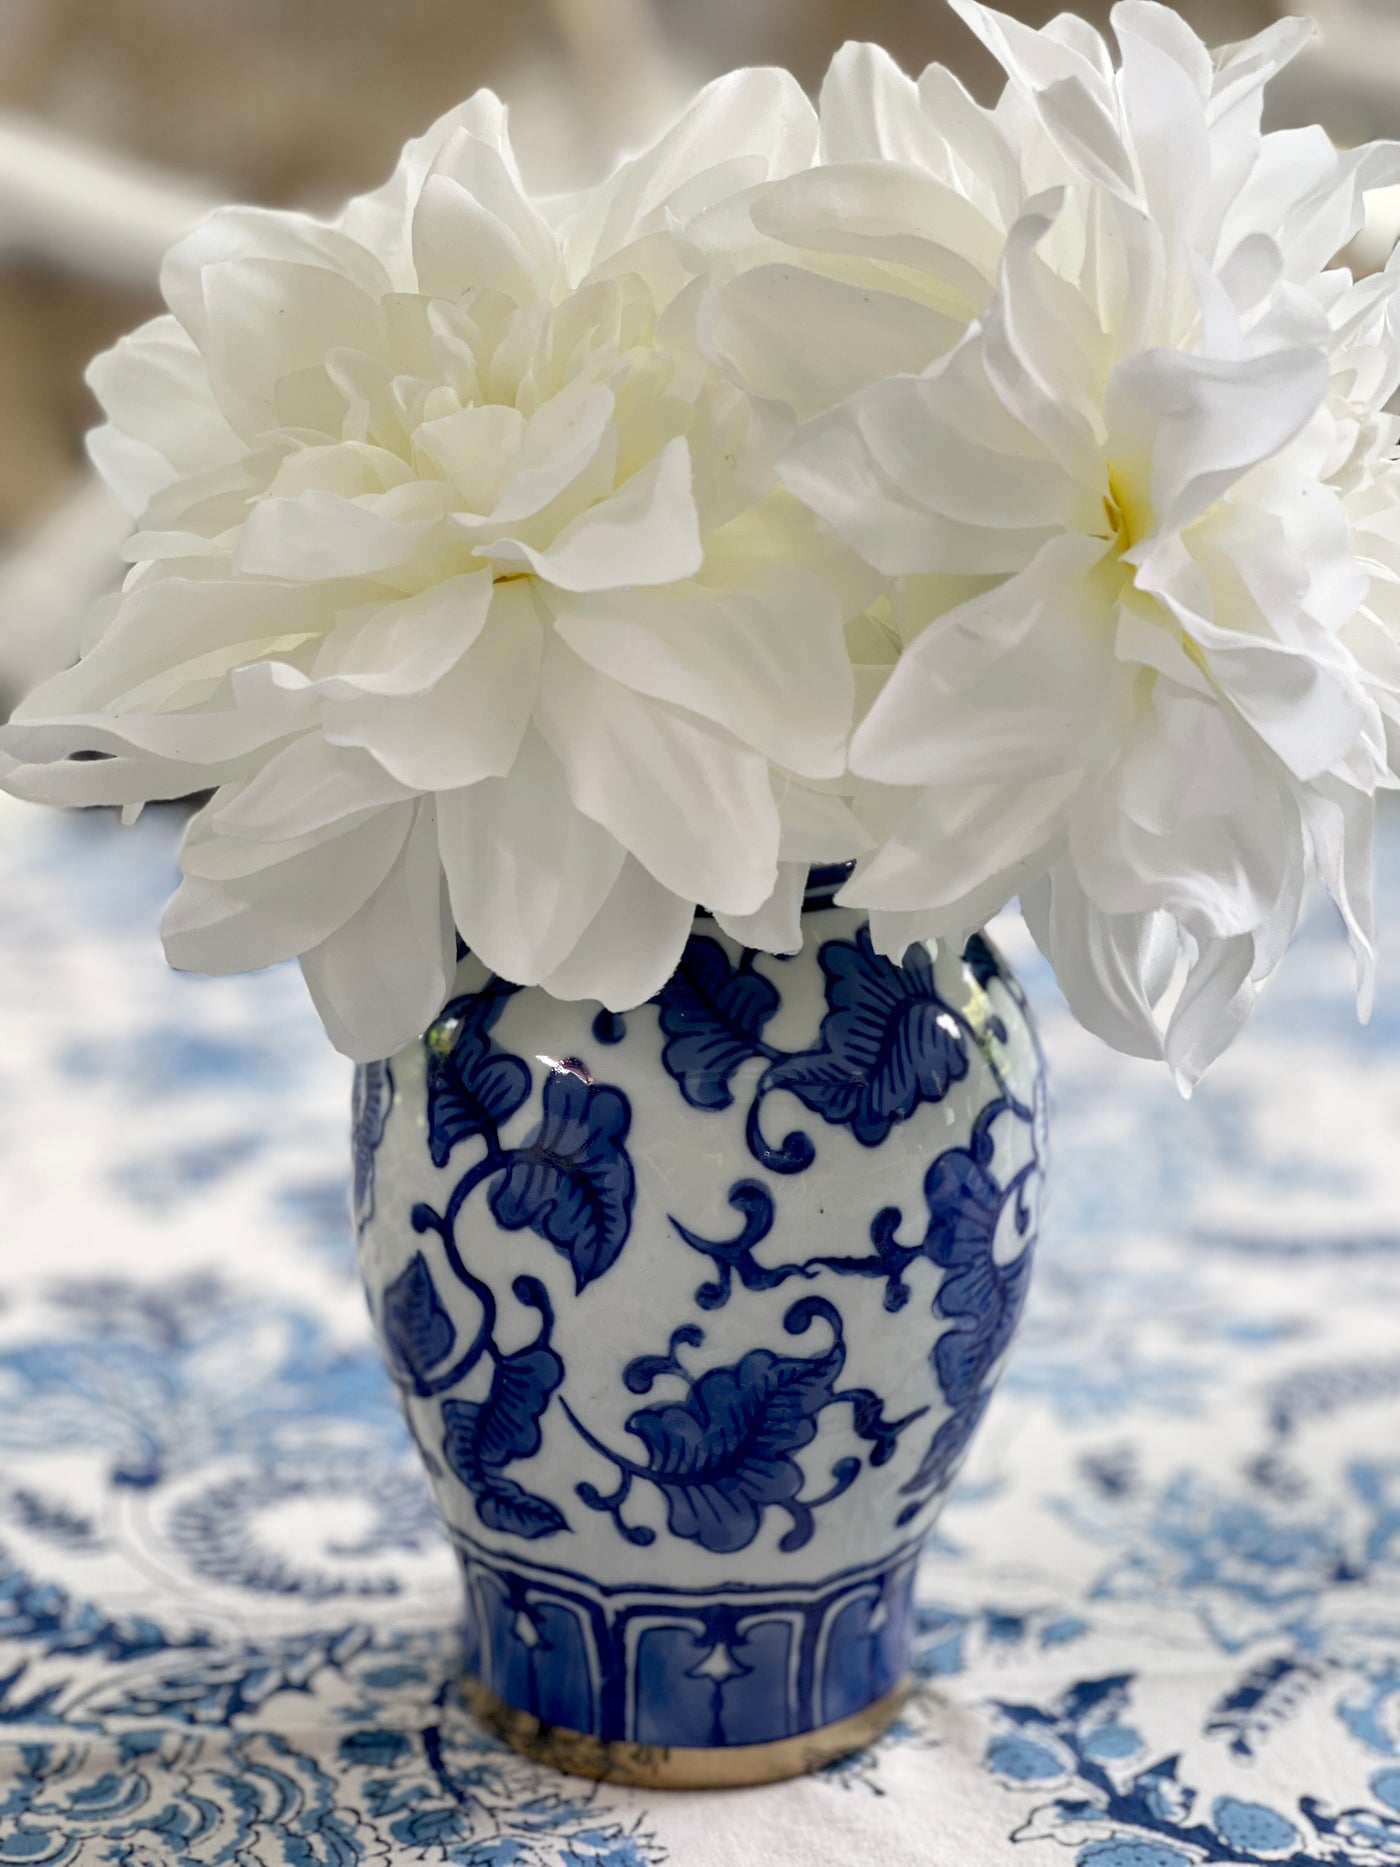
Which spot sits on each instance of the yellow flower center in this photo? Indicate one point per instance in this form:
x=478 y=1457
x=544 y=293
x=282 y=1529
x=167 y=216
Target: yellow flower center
x=1128 y=512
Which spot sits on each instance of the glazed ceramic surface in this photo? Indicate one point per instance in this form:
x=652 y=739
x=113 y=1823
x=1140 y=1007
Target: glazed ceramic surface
x=693 y=1313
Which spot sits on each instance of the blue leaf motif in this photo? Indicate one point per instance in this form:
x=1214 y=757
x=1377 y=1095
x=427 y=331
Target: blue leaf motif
x=965 y=1205
x=473 y=1085
x=888 y=1042
x=505 y=1506
x=508 y=1423
x=722 y=1456
x=981 y=1298
x=572 y=1180
x=712 y=1014
x=483 y=1437
x=417 y=1329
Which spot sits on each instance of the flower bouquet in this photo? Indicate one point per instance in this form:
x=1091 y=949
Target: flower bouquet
x=632 y=644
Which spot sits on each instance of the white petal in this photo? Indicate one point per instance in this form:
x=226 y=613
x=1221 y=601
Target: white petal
x=1277 y=173
x=1197 y=821
x=163 y=419
x=1207 y=422
x=468 y=725
x=382 y=977
x=1112 y=968
x=897 y=216
x=179 y=738
x=776 y=927
x=381 y=219
x=892 y=934
x=1042 y=350
x=407 y=647
x=285 y=908
x=1309 y=714
x=755 y=112
x=1250 y=273
x=767 y=661
x=475 y=448
x=817 y=825
x=1248 y=66
x=830 y=467
x=951 y=923
x=1215 y=1002
x=811 y=341
x=631 y=946
x=952 y=845
x=1032 y=59
x=473 y=228
x=870 y=111
x=267 y=321
x=258 y=236
x=648 y=532
x=1341 y=831
x=126 y=779
x=899 y=478
x=303 y=790
x=525 y=869
x=563 y=436
x=694 y=806
x=1070 y=92
x=1331 y=217
x=320 y=535
x=1018 y=684
x=166 y=634
x=1166 y=87
x=985 y=165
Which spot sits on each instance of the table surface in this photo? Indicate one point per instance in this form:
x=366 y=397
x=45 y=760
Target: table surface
x=1160 y=1618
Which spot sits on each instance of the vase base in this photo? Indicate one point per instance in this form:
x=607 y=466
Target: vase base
x=672 y=1766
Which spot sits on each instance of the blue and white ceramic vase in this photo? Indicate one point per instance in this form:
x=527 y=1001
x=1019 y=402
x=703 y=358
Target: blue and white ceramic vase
x=693 y=1313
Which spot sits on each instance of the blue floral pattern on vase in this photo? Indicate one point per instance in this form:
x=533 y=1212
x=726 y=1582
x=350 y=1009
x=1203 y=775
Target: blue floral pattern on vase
x=889 y=1041
x=723 y=1455
x=569 y=1181
x=594 y=1147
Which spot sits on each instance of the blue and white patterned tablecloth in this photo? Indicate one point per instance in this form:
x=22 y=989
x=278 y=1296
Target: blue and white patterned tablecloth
x=1160 y=1623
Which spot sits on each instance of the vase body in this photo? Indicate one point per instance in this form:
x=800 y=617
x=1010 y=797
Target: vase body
x=693 y=1312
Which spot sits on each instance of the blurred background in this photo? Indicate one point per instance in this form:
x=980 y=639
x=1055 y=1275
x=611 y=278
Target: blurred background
x=121 y=121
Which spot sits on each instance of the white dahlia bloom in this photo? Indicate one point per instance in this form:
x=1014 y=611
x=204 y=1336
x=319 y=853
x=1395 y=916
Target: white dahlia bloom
x=463 y=581
x=1142 y=517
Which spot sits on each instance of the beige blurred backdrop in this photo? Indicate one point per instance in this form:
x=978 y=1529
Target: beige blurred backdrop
x=120 y=119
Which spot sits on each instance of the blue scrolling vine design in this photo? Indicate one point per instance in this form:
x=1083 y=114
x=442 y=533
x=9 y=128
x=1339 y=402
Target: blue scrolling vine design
x=889 y=1040
x=570 y=1181
x=979 y=1297
x=722 y=1456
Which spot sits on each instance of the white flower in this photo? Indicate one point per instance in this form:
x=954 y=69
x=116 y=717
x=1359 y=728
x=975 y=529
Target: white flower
x=874 y=260
x=463 y=579
x=1142 y=514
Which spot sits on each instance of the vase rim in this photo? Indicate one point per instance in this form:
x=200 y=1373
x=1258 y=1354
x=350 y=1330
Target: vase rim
x=824 y=879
